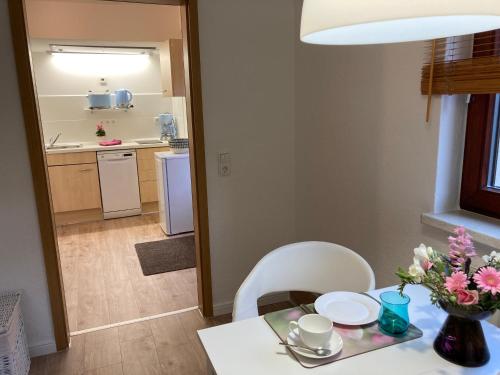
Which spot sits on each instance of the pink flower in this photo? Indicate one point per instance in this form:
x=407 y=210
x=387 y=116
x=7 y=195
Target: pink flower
x=488 y=279
x=460 y=247
x=468 y=297
x=457 y=281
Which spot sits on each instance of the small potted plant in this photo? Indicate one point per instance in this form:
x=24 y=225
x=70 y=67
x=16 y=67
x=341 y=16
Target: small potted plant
x=100 y=132
x=467 y=291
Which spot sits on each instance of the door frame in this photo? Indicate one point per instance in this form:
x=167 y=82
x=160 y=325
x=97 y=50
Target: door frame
x=32 y=123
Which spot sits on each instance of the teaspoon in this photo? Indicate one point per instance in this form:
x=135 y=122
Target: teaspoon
x=321 y=352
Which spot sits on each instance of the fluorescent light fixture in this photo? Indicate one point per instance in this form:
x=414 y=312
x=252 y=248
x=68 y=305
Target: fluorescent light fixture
x=101 y=50
x=100 y=65
x=351 y=22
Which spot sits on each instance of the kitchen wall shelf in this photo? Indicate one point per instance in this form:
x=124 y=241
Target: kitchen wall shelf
x=114 y=109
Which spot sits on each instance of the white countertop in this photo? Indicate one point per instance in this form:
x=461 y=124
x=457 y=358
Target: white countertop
x=95 y=147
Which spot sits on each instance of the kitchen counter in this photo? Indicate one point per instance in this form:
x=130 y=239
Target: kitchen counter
x=95 y=147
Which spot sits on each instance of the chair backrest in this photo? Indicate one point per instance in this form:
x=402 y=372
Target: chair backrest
x=318 y=267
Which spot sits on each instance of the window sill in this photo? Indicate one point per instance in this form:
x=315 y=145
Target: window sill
x=484 y=229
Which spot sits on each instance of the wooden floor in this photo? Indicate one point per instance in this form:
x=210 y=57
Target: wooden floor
x=103 y=280
x=164 y=346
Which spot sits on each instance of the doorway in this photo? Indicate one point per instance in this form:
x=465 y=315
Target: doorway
x=122 y=227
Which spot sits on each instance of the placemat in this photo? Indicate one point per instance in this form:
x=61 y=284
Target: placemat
x=357 y=339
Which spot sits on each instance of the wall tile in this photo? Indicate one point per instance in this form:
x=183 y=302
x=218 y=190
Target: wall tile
x=66 y=114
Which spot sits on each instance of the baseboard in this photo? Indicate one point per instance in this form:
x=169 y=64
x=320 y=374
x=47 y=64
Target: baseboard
x=42 y=349
x=150 y=208
x=227 y=307
x=76 y=217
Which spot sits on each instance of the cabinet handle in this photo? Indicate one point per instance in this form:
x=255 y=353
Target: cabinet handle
x=85 y=170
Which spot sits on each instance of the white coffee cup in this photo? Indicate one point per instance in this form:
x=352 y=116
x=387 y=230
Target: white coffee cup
x=315 y=330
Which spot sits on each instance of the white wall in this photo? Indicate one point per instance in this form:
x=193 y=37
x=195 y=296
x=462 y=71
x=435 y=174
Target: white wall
x=247 y=63
x=366 y=161
x=64 y=80
x=73 y=74
x=21 y=260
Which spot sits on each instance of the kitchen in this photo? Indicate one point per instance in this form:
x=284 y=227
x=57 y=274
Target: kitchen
x=112 y=102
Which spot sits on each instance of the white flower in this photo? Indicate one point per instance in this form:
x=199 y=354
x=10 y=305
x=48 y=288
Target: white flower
x=422 y=256
x=416 y=271
x=424 y=251
x=492 y=258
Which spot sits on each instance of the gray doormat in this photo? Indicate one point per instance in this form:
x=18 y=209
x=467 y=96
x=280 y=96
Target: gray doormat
x=168 y=255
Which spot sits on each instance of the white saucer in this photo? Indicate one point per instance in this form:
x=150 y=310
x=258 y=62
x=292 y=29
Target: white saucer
x=348 y=308
x=335 y=345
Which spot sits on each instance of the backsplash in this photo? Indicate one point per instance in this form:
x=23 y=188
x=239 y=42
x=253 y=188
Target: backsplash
x=68 y=115
x=62 y=87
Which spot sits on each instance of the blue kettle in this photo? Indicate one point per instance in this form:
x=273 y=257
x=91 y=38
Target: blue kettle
x=123 y=98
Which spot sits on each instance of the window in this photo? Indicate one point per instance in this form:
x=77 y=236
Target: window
x=495 y=161
x=481 y=169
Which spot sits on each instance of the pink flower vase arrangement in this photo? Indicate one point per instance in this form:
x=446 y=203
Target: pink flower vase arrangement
x=468 y=291
x=100 y=132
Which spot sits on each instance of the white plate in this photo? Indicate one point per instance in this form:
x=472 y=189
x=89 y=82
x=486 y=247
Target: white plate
x=347 y=308
x=335 y=345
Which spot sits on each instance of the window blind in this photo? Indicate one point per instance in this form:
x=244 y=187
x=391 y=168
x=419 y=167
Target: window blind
x=462 y=65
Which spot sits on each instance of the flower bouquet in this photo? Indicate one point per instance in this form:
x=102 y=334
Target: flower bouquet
x=466 y=290
x=100 y=132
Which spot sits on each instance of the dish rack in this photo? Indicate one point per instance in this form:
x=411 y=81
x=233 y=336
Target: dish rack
x=14 y=353
x=179 y=145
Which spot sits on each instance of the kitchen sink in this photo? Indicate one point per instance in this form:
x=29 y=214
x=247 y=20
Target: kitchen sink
x=148 y=141
x=60 y=146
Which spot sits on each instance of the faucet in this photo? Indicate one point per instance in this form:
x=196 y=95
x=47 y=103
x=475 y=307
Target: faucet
x=53 y=140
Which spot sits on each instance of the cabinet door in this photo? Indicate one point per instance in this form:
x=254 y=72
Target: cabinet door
x=75 y=187
x=172 y=68
x=147 y=173
x=72 y=158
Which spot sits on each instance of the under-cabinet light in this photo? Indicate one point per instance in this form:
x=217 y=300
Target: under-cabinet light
x=100 y=50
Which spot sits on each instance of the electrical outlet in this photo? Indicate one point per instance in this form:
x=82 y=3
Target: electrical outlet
x=224 y=164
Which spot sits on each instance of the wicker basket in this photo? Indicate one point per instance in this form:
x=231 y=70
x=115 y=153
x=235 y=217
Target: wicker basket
x=14 y=354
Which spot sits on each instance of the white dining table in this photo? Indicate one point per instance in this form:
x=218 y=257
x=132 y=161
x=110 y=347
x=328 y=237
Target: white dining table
x=251 y=347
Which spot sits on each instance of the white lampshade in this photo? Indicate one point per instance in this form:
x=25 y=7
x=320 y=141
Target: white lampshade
x=346 y=22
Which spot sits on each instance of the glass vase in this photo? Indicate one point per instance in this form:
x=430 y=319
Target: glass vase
x=461 y=339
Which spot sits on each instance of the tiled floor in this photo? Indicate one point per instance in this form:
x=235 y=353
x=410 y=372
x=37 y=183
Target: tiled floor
x=163 y=346
x=103 y=280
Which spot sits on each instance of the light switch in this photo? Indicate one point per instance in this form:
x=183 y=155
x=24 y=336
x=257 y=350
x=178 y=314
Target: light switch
x=224 y=164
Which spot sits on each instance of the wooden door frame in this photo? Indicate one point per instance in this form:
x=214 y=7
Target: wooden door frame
x=32 y=123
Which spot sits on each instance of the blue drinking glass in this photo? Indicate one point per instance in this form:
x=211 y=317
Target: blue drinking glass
x=393 y=318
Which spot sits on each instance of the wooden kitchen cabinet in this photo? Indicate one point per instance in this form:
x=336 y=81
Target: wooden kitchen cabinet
x=172 y=68
x=72 y=158
x=75 y=187
x=147 y=173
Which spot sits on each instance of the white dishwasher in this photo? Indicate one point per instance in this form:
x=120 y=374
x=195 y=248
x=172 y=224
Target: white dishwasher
x=119 y=183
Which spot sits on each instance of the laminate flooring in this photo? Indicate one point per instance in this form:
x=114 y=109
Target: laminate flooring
x=103 y=280
x=163 y=346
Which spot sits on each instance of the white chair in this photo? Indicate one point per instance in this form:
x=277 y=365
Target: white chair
x=318 y=267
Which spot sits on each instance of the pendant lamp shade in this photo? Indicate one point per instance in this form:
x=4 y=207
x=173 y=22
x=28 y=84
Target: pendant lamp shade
x=349 y=22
